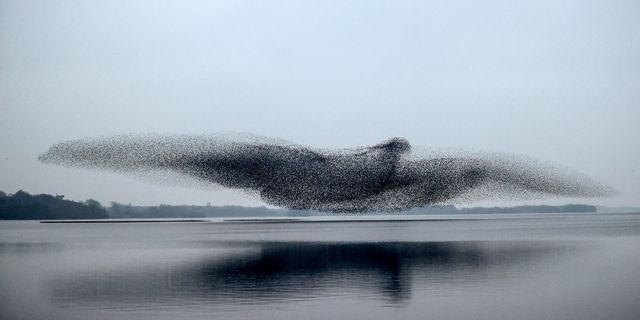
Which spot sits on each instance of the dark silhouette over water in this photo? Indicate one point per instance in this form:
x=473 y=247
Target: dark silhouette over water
x=24 y=206
x=382 y=177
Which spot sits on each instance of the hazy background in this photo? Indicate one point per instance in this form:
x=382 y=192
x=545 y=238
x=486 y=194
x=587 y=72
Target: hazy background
x=556 y=80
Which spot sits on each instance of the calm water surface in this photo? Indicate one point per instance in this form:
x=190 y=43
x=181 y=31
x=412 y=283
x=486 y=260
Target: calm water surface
x=578 y=266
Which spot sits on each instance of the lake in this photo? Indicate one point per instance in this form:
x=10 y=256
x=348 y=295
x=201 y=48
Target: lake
x=551 y=266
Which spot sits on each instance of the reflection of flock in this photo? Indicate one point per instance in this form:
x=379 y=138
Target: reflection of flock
x=280 y=271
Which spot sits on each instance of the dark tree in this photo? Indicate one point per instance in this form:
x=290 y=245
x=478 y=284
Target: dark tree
x=24 y=206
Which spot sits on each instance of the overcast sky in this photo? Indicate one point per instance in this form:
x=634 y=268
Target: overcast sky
x=555 y=80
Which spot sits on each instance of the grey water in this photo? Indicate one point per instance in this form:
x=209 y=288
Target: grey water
x=552 y=266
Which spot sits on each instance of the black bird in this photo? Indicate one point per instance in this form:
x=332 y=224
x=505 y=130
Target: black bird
x=382 y=177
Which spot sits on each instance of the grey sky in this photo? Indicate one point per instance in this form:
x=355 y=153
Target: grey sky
x=555 y=80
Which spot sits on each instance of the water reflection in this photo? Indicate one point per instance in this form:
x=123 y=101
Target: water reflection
x=267 y=272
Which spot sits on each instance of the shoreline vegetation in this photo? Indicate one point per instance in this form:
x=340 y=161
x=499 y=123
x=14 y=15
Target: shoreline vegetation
x=24 y=206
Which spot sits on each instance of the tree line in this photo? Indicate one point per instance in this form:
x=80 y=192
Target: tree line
x=24 y=206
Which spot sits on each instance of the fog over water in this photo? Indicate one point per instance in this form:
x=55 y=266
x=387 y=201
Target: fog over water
x=553 y=266
x=556 y=81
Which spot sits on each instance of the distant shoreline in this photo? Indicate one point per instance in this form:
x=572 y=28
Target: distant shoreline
x=24 y=206
x=118 y=221
x=341 y=219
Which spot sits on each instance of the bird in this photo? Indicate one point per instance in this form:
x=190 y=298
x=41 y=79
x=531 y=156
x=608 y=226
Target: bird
x=387 y=176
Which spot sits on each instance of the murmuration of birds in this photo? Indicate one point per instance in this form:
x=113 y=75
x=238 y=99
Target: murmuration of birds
x=388 y=176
